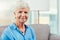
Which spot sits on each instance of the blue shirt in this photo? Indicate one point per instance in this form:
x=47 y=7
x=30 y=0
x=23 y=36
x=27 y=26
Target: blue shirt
x=13 y=33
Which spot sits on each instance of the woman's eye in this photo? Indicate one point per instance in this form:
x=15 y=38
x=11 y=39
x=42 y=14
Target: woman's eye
x=25 y=12
x=20 y=11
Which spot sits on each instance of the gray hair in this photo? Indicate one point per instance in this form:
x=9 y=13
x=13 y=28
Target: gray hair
x=21 y=4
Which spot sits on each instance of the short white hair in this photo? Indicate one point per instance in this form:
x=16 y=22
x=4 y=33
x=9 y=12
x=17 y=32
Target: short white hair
x=21 y=4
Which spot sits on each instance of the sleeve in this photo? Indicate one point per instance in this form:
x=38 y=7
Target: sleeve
x=4 y=36
x=33 y=34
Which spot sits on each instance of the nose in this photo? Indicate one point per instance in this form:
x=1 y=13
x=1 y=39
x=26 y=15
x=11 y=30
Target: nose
x=23 y=14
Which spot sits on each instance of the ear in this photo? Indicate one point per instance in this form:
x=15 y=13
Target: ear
x=14 y=13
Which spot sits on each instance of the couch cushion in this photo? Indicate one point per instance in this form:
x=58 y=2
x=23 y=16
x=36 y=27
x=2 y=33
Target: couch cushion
x=54 y=37
x=42 y=31
x=2 y=29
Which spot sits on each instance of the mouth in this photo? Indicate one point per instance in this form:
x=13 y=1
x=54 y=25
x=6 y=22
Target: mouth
x=22 y=17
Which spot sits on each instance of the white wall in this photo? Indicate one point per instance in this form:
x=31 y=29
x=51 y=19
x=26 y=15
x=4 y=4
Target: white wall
x=38 y=4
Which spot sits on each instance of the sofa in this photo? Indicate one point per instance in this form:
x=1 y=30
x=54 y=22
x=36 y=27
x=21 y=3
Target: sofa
x=42 y=32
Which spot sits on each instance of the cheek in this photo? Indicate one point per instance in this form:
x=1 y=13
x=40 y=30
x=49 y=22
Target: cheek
x=17 y=16
x=27 y=16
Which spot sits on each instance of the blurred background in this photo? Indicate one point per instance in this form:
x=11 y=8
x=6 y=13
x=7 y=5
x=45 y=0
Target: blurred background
x=42 y=12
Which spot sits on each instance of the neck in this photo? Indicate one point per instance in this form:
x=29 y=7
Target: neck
x=20 y=25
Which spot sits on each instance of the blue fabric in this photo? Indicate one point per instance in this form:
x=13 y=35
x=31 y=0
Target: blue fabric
x=13 y=33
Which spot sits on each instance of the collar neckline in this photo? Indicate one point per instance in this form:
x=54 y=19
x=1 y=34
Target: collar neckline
x=16 y=27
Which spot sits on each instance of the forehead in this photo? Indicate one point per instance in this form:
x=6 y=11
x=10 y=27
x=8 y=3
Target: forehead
x=22 y=9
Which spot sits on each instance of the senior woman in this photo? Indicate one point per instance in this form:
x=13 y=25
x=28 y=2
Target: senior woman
x=18 y=30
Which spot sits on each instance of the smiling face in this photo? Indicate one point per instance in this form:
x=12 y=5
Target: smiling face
x=21 y=14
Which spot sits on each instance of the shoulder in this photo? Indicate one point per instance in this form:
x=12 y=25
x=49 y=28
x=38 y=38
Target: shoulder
x=6 y=35
x=7 y=30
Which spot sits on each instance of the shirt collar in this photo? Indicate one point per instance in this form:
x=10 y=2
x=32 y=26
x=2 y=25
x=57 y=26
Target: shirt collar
x=14 y=26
